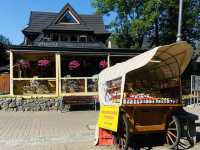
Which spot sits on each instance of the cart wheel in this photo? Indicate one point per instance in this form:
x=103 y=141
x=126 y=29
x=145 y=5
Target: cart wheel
x=123 y=135
x=173 y=133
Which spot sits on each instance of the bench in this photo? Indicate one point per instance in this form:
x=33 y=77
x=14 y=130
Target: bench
x=79 y=100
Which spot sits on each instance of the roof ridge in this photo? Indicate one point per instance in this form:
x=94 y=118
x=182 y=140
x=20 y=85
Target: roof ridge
x=47 y=12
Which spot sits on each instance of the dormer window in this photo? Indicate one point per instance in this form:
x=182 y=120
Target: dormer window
x=83 y=38
x=68 y=18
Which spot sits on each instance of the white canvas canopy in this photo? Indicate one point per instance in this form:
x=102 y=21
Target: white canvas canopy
x=161 y=62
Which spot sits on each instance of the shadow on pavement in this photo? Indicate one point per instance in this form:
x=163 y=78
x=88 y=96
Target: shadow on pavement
x=198 y=137
x=147 y=141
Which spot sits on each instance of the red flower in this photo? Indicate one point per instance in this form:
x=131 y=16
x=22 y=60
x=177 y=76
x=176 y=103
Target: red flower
x=43 y=63
x=74 y=64
x=103 y=64
x=23 y=64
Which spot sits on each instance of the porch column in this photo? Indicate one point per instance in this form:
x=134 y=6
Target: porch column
x=108 y=59
x=11 y=73
x=58 y=74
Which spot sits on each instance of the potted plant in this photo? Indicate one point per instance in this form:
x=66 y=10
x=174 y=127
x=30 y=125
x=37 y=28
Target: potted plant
x=43 y=65
x=103 y=64
x=22 y=67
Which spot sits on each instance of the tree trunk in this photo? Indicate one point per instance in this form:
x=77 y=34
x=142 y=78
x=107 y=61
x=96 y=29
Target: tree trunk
x=156 y=33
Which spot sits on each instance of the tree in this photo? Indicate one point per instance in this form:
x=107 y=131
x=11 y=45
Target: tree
x=4 y=40
x=3 y=55
x=152 y=20
x=168 y=21
x=124 y=10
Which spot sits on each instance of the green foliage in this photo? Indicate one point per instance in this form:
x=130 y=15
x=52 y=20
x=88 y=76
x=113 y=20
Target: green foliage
x=157 y=20
x=121 y=25
x=3 y=55
x=4 y=40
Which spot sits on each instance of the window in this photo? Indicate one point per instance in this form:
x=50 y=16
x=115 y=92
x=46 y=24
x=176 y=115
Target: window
x=68 y=18
x=73 y=38
x=54 y=37
x=83 y=38
x=90 y=39
x=64 y=37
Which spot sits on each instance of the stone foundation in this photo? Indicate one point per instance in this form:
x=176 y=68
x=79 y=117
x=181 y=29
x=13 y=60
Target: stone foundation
x=31 y=104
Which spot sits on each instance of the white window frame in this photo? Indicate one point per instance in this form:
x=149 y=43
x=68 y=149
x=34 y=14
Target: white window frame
x=77 y=22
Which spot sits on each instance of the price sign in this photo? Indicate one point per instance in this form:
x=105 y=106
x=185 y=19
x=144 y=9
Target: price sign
x=108 y=117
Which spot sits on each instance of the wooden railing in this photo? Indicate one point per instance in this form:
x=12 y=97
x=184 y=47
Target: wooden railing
x=79 y=86
x=65 y=86
x=35 y=86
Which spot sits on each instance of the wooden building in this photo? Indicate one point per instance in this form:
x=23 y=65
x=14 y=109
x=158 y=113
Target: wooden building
x=62 y=54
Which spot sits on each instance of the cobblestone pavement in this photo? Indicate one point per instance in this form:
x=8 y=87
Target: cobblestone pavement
x=46 y=130
x=52 y=131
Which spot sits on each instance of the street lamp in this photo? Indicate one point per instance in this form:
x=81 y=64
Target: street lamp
x=179 y=21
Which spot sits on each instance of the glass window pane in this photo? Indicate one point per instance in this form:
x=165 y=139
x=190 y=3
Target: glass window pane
x=34 y=65
x=73 y=38
x=118 y=59
x=64 y=37
x=82 y=66
x=67 y=18
x=55 y=37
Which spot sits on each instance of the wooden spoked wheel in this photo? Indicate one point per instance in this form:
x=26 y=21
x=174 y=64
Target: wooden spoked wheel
x=173 y=133
x=123 y=135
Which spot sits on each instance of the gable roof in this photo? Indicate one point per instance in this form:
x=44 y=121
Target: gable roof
x=66 y=8
x=40 y=21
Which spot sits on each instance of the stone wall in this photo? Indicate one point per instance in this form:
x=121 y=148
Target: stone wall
x=30 y=104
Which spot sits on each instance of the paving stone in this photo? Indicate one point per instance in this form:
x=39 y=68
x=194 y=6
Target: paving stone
x=52 y=131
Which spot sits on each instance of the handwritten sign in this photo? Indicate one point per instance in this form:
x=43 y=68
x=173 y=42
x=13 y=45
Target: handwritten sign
x=108 y=117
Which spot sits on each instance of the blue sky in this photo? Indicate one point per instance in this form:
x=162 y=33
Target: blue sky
x=14 y=14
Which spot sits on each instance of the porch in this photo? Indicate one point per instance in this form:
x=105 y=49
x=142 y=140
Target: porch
x=39 y=73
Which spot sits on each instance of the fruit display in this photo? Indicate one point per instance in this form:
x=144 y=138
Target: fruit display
x=136 y=93
x=147 y=99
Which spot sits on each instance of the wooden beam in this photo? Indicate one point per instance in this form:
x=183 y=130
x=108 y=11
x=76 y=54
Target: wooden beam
x=86 y=90
x=11 y=73
x=58 y=74
x=108 y=59
x=57 y=82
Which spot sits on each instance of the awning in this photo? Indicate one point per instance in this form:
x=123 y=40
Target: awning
x=165 y=61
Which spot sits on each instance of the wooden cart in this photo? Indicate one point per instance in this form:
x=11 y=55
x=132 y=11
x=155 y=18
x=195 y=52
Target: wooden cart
x=143 y=96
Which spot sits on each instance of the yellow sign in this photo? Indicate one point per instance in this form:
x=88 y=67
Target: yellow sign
x=108 y=117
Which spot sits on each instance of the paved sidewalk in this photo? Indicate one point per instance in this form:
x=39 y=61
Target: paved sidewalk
x=52 y=131
x=47 y=130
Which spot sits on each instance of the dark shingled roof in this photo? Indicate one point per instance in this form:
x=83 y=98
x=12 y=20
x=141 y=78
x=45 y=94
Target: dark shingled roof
x=39 y=20
x=44 y=21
